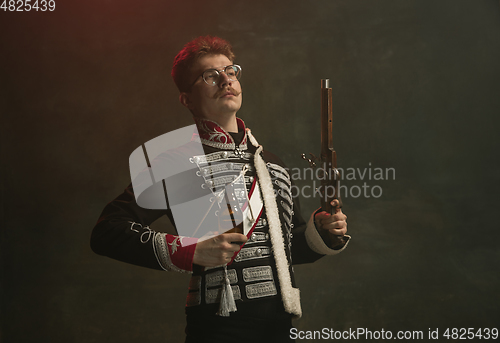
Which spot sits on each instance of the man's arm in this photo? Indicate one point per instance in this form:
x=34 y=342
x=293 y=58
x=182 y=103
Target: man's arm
x=311 y=239
x=123 y=233
x=218 y=250
x=310 y=242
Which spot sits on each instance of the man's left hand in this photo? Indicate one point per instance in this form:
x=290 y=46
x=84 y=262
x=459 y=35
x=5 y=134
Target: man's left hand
x=335 y=223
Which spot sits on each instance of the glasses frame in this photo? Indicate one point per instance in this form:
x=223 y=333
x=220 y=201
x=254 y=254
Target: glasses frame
x=219 y=71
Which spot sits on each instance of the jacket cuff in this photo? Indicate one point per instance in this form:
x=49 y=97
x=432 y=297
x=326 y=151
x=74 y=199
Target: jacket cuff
x=175 y=252
x=316 y=242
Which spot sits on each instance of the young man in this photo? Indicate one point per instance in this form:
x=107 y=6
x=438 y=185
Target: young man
x=242 y=286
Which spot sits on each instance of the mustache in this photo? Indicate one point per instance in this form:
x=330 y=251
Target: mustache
x=223 y=91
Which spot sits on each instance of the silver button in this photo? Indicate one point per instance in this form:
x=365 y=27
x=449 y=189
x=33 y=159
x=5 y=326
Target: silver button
x=267 y=236
x=250 y=178
x=196 y=159
x=258 y=252
x=224 y=154
x=253 y=237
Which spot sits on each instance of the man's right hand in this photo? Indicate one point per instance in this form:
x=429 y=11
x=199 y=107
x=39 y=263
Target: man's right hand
x=219 y=250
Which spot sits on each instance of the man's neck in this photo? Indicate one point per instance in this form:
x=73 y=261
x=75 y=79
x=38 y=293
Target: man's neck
x=227 y=123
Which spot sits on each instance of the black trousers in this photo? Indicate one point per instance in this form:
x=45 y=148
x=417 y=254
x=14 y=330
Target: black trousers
x=237 y=329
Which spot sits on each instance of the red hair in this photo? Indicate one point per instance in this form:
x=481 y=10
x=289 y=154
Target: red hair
x=192 y=51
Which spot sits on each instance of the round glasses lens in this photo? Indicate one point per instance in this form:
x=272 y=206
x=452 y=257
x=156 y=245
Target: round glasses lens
x=233 y=72
x=211 y=77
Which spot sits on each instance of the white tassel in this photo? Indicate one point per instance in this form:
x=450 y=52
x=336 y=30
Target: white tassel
x=227 y=303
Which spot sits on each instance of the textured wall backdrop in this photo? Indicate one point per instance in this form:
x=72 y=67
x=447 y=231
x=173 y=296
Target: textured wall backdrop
x=416 y=88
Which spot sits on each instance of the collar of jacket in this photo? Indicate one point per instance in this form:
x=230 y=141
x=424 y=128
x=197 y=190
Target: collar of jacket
x=213 y=135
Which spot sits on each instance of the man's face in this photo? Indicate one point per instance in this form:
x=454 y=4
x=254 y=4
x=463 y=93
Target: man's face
x=212 y=102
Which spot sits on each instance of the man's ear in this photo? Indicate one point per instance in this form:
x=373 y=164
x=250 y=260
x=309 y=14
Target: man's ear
x=185 y=100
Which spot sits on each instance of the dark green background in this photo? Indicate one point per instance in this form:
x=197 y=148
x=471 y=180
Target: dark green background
x=416 y=87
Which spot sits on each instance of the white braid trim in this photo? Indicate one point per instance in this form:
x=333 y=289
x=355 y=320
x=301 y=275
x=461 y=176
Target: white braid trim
x=290 y=295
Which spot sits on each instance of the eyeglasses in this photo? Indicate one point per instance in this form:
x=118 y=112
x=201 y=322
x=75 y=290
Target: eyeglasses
x=212 y=76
